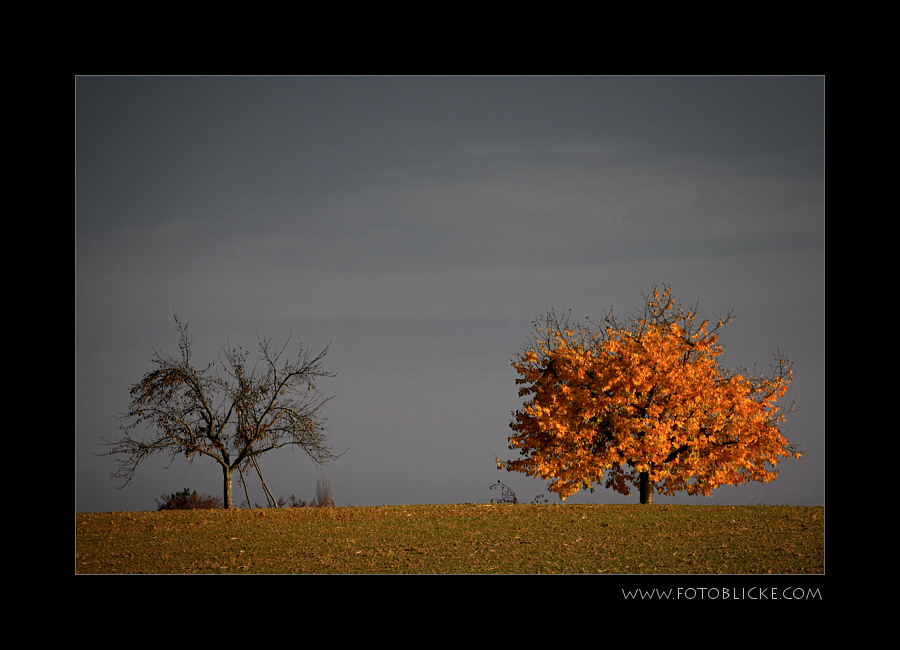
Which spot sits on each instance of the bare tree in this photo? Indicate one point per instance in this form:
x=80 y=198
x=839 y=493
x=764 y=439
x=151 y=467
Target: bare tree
x=229 y=411
x=324 y=493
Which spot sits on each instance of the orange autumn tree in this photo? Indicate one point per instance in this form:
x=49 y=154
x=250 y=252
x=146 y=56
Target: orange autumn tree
x=647 y=402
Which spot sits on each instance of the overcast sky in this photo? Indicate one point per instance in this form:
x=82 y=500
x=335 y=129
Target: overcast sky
x=419 y=225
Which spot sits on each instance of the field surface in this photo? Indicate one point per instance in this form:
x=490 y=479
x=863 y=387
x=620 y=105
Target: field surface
x=457 y=539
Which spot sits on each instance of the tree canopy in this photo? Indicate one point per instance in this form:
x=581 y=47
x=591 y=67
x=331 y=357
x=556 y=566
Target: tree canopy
x=645 y=402
x=232 y=411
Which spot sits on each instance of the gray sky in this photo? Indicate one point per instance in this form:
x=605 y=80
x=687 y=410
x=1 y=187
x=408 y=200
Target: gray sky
x=419 y=225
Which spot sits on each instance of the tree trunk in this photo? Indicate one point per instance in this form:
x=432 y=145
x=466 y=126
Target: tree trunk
x=646 y=489
x=229 y=499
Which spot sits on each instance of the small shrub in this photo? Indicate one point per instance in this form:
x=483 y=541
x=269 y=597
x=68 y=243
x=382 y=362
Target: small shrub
x=507 y=495
x=324 y=498
x=187 y=500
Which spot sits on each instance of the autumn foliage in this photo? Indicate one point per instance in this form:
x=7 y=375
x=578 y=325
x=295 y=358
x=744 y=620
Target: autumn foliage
x=644 y=403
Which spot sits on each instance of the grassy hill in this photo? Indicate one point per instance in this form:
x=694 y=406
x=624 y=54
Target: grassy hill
x=457 y=539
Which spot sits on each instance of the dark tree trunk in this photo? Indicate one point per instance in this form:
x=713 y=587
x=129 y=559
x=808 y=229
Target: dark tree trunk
x=646 y=489
x=229 y=499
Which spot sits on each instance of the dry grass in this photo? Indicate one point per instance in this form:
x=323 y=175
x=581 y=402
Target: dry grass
x=457 y=539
